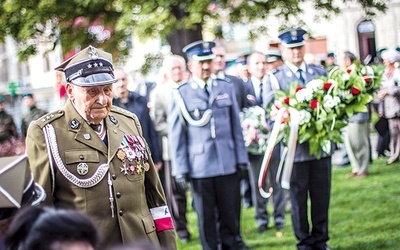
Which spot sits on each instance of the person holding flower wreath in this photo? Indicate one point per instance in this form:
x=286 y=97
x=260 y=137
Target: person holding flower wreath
x=311 y=175
x=356 y=133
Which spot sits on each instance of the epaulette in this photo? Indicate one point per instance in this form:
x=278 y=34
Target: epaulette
x=274 y=71
x=49 y=117
x=118 y=110
x=182 y=84
x=316 y=66
x=225 y=79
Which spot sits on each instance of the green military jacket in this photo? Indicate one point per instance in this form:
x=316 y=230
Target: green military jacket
x=78 y=171
x=33 y=114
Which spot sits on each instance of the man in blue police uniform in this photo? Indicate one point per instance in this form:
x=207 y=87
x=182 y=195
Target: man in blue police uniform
x=311 y=177
x=207 y=147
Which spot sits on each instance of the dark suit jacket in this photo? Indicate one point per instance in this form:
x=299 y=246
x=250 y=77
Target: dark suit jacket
x=238 y=85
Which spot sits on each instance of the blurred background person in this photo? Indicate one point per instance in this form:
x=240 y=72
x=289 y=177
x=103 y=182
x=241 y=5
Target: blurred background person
x=274 y=59
x=330 y=61
x=389 y=106
x=257 y=66
x=172 y=72
x=8 y=133
x=32 y=114
x=51 y=229
x=356 y=133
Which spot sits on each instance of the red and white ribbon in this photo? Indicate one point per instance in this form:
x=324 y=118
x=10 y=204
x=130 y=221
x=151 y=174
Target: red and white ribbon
x=162 y=218
x=268 y=153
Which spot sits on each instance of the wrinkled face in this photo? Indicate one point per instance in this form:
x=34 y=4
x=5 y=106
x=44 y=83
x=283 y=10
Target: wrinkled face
x=176 y=71
x=294 y=55
x=92 y=103
x=219 y=61
x=257 y=65
x=201 y=69
x=120 y=88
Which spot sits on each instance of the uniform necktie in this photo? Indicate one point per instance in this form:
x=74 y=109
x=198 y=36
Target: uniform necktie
x=96 y=127
x=300 y=76
x=207 y=90
x=260 y=94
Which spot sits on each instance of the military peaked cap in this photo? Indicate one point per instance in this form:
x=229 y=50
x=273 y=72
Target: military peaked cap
x=292 y=38
x=199 y=50
x=89 y=67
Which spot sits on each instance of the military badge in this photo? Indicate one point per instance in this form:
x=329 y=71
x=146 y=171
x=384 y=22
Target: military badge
x=92 y=53
x=74 y=123
x=221 y=97
x=82 y=168
x=133 y=155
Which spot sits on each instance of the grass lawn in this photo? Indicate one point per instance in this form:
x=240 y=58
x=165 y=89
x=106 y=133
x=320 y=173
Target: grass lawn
x=364 y=214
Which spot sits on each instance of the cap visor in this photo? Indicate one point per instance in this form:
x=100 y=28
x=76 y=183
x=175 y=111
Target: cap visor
x=94 y=80
x=204 y=58
x=294 y=45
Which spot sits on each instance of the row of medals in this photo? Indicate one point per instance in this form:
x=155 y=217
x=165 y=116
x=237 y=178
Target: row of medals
x=133 y=155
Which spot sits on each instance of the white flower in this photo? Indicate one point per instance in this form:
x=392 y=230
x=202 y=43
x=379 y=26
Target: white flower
x=315 y=84
x=367 y=70
x=331 y=101
x=304 y=95
x=304 y=117
x=345 y=77
x=257 y=110
x=344 y=94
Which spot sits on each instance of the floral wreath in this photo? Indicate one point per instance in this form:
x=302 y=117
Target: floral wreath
x=325 y=104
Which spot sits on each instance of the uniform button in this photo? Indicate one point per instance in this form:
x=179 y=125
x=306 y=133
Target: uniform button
x=121 y=212
x=118 y=195
x=81 y=157
x=114 y=176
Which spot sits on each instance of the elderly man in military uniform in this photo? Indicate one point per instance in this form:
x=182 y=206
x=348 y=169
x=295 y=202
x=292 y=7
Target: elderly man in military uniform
x=92 y=157
x=207 y=147
x=311 y=177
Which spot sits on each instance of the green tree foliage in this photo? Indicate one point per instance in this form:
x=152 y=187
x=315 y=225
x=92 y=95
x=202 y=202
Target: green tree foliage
x=108 y=23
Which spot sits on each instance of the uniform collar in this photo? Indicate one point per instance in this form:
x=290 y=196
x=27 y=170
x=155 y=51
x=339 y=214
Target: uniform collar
x=293 y=68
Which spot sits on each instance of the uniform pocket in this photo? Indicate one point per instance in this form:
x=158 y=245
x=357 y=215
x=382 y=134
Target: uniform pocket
x=223 y=102
x=76 y=156
x=148 y=224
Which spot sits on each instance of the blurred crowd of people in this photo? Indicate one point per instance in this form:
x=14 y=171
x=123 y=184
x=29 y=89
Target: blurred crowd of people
x=193 y=140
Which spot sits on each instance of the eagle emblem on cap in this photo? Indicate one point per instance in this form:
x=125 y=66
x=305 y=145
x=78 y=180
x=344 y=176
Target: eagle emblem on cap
x=92 y=52
x=293 y=33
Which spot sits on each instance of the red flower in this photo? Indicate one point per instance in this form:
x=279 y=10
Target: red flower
x=367 y=79
x=348 y=71
x=314 y=104
x=286 y=100
x=299 y=88
x=327 y=85
x=355 y=91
